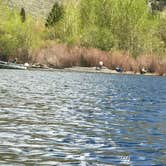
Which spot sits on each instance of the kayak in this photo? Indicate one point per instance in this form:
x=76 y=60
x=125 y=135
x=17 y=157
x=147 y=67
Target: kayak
x=9 y=65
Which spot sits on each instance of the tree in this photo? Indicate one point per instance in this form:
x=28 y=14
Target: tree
x=55 y=15
x=23 y=15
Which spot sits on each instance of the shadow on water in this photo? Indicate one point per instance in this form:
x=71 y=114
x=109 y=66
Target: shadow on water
x=65 y=118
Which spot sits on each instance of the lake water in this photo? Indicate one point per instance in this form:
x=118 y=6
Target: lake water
x=81 y=119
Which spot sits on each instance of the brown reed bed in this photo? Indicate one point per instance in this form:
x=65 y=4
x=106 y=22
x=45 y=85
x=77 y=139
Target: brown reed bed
x=63 y=56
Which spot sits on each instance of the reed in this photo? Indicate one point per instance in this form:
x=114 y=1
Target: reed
x=62 y=56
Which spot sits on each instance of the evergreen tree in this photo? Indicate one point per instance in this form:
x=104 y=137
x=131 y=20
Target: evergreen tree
x=55 y=15
x=23 y=15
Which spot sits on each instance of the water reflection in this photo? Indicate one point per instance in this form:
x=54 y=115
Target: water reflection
x=61 y=118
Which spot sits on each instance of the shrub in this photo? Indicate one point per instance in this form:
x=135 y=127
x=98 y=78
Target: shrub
x=16 y=36
x=98 y=37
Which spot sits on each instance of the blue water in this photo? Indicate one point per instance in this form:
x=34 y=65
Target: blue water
x=80 y=119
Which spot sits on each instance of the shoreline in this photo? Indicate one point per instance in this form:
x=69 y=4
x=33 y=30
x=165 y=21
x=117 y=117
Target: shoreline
x=104 y=70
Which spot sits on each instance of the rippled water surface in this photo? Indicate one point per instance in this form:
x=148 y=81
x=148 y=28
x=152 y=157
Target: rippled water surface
x=79 y=119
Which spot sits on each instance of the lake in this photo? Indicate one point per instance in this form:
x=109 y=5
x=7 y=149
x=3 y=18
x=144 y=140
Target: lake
x=55 y=118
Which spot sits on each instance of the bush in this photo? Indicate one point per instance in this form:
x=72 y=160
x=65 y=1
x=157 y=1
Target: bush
x=98 y=37
x=16 y=35
x=110 y=25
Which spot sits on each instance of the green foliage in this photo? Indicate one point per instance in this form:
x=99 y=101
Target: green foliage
x=110 y=24
x=161 y=29
x=96 y=23
x=105 y=24
x=122 y=25
x=68 y=28
x=14 y=34
x=98 y=37
x=55 y=15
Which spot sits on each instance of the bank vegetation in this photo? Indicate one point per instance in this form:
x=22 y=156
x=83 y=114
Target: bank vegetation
x=122 y=33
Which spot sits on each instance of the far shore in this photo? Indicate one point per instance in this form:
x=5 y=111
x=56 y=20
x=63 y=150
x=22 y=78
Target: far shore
x=104 y=70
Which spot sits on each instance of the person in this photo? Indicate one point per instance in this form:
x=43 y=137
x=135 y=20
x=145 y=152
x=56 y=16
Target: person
x=100 y=64
x=15 y=60
x=143 y=70
x=119 y=69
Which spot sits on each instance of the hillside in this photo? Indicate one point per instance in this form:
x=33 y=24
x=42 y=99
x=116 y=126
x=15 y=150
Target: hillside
x=39 y=8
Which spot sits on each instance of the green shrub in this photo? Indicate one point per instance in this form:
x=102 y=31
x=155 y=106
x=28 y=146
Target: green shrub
x=98 y=37
x=120 y=25
x=16 y=35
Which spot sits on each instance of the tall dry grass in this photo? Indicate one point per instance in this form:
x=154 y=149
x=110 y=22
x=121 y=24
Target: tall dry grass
x=62 y=56
x=124 y=60
x=152 y=63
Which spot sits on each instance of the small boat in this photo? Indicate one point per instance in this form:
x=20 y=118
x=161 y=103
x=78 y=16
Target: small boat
x=10 y=65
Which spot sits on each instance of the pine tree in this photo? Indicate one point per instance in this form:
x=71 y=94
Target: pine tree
x=23 y=15
x=55 y=15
